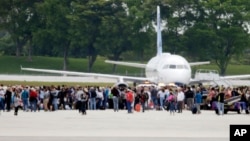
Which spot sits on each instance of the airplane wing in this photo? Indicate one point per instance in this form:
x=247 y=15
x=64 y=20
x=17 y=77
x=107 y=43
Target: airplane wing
x=119 y=78
x=199 y=63
x=206 y=75
x=246 y=76
x=137 y=65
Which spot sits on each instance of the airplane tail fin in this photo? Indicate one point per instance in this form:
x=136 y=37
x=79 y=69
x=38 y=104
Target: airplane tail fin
x=159 y=37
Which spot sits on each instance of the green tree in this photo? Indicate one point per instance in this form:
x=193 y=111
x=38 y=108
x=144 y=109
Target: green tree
x=220 y=29
x=86 y=20
x=16 y=17
x=55 y=32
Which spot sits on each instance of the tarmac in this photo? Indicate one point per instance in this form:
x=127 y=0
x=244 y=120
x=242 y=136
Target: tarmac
x=107 y=125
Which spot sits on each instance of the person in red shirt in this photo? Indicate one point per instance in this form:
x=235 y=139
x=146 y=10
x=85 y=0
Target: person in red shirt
x=33 y=99
x=129 y=99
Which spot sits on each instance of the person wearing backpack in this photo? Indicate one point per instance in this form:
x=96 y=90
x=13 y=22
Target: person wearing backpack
x=198 y=100
x=171 y=100
x=93 y=96
x=25 y=98
x=143 y=100
x=146 y=93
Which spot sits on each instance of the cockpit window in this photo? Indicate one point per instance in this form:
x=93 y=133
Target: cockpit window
x=175 y=66
x=172 y=66
x=165 y=67
x=186 y=67
x=179 y=66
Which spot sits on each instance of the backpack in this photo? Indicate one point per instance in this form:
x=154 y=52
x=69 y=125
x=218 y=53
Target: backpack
x=122 y=95
x=130 y=96
x=25 y=94
x=146 y=96
x=93 y=94
x=171 y=98
x=194 y=109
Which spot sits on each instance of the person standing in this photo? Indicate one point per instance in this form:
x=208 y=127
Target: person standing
x=116 y=94
x=8 y=95
x=190 y=98
x=198 y=100
x=93 y=96
x=154 y=96
x=84 y=99
x=79 y=92
x=161 y=95
x=99 y=98
x=25 y=98
x=129 y=99
x=180 y=100
x=105 y=97
x=17 y=102
x=54 y=100
x=33 y=99
x=220 y=102
x=143 y=99
x=46 y=98
x=171 y=100
x=2 y=92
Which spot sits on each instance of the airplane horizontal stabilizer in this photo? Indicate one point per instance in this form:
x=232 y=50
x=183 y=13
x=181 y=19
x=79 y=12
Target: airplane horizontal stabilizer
x=246 y=76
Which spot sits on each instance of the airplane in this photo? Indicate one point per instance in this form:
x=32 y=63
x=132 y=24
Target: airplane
x=163 y=68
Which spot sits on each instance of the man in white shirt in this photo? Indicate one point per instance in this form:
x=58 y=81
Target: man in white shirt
x=2 y=92
x=161 y=94
x=180 y=100
x=79 y=92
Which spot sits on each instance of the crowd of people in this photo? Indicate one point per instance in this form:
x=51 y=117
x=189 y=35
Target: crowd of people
x=83 y=98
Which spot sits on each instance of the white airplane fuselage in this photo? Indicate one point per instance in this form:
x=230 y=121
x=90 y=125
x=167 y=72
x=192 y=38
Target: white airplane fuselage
x=167 y=68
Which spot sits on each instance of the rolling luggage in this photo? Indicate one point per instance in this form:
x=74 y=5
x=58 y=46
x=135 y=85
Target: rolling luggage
x=194 y=109
x=137 y=107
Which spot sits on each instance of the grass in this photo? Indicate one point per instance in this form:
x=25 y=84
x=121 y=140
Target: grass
x=11 y=65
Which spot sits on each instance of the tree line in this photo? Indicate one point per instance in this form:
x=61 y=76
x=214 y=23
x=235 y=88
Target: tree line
x=200 y=30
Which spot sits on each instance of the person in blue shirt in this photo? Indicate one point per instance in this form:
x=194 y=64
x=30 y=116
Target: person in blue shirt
x=198 y=100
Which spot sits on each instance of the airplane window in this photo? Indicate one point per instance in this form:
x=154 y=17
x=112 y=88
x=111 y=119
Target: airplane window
x=179 y=66
x=185 y=66
x=172 y=66
x=165 y=67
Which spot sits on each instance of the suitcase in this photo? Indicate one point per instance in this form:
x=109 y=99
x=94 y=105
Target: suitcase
x=194 y=109
x=137 y=107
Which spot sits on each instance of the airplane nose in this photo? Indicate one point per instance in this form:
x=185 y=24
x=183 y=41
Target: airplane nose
x=175 y=76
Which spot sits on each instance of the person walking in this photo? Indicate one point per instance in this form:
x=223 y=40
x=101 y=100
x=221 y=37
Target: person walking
x=84 y=99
